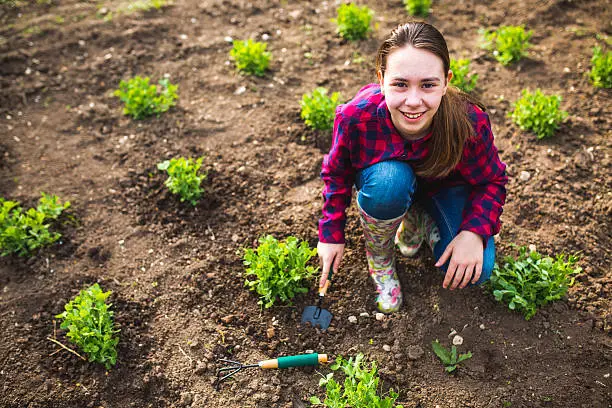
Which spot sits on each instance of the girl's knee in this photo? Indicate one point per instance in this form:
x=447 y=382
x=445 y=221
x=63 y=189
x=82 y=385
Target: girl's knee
x=386 y=189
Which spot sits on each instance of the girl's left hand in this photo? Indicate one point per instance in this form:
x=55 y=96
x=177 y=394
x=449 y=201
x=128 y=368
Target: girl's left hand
x=465 y=252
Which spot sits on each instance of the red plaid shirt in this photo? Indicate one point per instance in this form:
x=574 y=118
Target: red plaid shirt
x=364 y=135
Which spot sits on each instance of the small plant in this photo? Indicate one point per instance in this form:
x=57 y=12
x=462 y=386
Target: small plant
x=450 y=359
x=538 y=113
x=601 y=68
x=508 y=43
x=461 y=78
x=417 y=8
x=532 y=280
x=353 y=21
x=318 y=109
x=22 y=232
x=89 y=321
x=279 y=269
x=183 y=178
x=360 y=386
x=251 y=57
x=143 y=100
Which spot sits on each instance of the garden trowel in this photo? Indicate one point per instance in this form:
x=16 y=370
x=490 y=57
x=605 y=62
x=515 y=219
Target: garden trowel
x=315 y=315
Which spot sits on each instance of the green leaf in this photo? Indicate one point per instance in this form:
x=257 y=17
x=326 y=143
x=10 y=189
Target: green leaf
x=442 y=353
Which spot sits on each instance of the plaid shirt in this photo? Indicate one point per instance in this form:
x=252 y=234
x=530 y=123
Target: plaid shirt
x=364 y=135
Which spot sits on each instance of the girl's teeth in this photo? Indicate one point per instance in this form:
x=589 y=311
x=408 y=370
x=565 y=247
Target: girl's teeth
x=409 y=116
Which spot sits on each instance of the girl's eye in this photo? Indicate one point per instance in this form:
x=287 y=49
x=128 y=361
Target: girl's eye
x=399 y=84
x=428 y=85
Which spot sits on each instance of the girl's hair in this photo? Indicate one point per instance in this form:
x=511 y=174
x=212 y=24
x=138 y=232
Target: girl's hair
x=451 y=125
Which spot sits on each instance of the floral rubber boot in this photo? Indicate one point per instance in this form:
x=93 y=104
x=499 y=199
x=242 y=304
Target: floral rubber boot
x=416 y=227
x=381 y=260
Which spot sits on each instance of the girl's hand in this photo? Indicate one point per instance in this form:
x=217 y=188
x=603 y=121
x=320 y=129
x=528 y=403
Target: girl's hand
x=330 y=256
x=465 y=266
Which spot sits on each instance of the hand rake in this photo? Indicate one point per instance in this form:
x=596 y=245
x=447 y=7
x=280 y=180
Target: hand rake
x=299 y=360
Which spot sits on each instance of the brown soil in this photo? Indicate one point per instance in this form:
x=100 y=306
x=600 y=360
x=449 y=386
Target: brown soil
x=175 y=271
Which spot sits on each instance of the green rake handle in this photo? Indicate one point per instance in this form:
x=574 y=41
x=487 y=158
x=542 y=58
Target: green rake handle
x=299 y=360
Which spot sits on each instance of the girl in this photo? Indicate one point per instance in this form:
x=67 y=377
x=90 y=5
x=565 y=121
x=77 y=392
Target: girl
x=421 y=156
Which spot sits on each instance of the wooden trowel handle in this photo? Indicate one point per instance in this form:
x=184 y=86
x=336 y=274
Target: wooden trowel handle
x=323 y=290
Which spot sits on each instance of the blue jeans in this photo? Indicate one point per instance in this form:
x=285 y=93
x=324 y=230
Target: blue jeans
x=387 y=189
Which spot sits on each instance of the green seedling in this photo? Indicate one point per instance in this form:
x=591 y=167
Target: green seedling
x=278 y=271
x=353 y=21
x=450 y=359
x=532 y=280
x=360 y=388
x=601 y=68
x=89 y=321
x=417 y=8
x=21 y=232
x=538 y=113
x=508 y=43
x=461 y=75
x=183 y=178
x=143 y=100
x=251 y=57
x=318 y=109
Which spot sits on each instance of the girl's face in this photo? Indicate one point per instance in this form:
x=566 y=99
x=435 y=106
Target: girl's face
x=413 y=85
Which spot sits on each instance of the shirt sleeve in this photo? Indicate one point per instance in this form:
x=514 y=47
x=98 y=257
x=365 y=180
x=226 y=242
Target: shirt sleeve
x=483 y=169
x=338 y=177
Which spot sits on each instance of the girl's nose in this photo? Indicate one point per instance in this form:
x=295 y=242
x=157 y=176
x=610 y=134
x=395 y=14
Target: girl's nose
x=413 y=98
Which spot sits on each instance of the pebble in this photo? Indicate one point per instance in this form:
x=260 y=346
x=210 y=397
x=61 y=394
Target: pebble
x=386 y=347
x=228 y=39
x=309 y=351
x=270 y=332
x=380 y=316
x=240 y=90
x=482 y=327
x=457 y=340
x=364 y=314
x=415 y=352
x=524 y=176
x=352 y=319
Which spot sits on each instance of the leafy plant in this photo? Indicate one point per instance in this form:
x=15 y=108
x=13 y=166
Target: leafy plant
x=353 y=21
x=89 y=321
x=279 y=269
x=538 y=113
x=360 y=386
x=532 y=280
x=183 y=178
x=601 y=69
x=508 y=43
x=318 y=109
x=251 y=57
x=450 y=359
x=22 y=232
x=143 y=100
x=461 y=78
x=418 y=8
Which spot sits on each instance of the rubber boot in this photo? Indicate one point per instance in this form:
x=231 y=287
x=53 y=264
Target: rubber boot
x=416 y=227
x=381 y=259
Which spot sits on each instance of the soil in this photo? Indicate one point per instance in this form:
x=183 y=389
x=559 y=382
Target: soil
x=176 y=270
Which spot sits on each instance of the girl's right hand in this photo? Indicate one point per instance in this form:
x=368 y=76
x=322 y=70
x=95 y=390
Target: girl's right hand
x=330 y=256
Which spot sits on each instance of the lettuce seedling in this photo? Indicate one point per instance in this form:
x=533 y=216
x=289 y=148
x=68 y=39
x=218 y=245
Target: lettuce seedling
x=532 y=280
x=251 y=57
x=353 y=21
x=22 y=232
x=318 y=109
x=538 y=113
x=360 y=387
x=183 y=178
x=89 y=321
x=601 y=68
x=417 y=8
x=143 y=100
x=450 y=359
x=508 y=43
x=461 y=77
x=279 y=269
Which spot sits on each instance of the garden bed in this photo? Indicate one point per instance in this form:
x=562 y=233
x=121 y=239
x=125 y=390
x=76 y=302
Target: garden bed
x=176 y=270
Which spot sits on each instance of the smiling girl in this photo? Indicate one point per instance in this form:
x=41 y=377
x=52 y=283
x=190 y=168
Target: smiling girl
x=421 y=156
